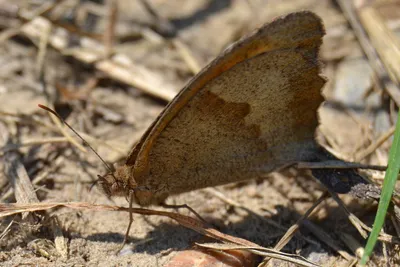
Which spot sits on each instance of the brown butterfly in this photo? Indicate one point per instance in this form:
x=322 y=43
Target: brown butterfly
x=249 y=112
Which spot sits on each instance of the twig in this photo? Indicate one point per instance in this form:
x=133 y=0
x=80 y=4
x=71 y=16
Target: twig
x=293 y=229
x=44 y=9
x=384 y=40
x=372 y=147
x=16 y=173
x=382 y=77
x=37 y=179
x=118 y=67
x=109 y=35
x=187 y=56
x=361 y=227
x=338 y=164
x=31 y=120
x=43 y=44
x=324 y=237
x=352 y=244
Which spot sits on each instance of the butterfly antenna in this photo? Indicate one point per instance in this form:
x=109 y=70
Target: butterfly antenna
x=75 y=132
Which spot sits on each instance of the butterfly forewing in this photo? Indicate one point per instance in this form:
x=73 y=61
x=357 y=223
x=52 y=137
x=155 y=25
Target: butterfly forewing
x=252 y=110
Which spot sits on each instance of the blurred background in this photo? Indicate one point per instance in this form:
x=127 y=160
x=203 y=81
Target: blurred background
x=109 y=68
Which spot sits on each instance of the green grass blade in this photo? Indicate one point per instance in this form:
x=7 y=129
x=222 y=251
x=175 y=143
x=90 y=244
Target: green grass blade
x=387 y=190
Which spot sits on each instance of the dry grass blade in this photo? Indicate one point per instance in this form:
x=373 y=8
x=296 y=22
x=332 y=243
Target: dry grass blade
x=187 y=56
x=384 y=40
x=292 y=230
x=31 y=120
x=186 y=221
x=6 y=230
x=265 y=252
x=372 y=147
x=42 y=141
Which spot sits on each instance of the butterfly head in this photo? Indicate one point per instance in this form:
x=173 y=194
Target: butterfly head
x=117 y=183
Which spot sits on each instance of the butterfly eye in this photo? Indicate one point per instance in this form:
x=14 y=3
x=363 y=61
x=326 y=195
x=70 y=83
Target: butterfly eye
x=114 y=188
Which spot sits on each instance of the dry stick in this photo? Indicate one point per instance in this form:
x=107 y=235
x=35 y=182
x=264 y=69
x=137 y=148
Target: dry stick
x=352 y=244
x=361 y=227
x=35 y=122
x=338 y=164
x=187 y=55
x=372 y=147
x=293 y=229
x=327 y=240
x=109 y=35
x=17 y=174
x=382 y=78
x=255 y=214
x=395 y=224
x=44 y=9
x=186 y=221
x=116 y=68
x=29 y=120
x=37 y=179
x=323 y=236
x=130 y=74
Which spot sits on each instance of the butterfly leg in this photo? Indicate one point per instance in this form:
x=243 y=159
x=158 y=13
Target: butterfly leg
x=130 y=222
x=164 y=205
